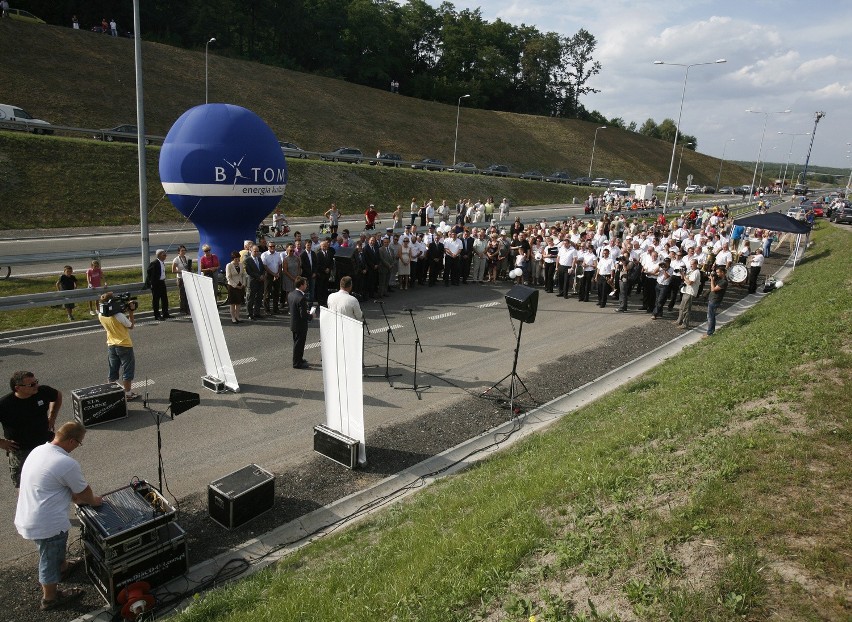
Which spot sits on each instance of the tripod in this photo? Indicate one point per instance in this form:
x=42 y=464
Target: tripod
x=389 y=335
x=514 y=384
x=417 y=347
x=158 y=418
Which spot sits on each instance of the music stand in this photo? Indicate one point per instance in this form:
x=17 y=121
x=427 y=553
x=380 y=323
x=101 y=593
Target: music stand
x=417 y=347
x=179 y=402
x=389 y=334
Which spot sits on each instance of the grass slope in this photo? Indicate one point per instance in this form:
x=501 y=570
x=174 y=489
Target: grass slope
x=81 y=79
x=715 y=487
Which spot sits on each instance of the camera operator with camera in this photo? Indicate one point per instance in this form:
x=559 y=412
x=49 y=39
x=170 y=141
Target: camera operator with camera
x=115 y=313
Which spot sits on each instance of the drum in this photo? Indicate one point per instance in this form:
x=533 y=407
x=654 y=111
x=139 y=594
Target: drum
x=738 y=274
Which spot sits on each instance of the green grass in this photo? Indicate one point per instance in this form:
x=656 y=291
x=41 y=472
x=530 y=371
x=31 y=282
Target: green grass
x=79 y=79
x=713 y=488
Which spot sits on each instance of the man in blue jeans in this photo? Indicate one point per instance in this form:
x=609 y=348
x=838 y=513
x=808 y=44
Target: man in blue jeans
x=51 y=479
x=120 y=354
x=718 y=286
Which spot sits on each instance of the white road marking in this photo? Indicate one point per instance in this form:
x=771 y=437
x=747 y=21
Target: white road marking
x=441 y=316
x=488 y=304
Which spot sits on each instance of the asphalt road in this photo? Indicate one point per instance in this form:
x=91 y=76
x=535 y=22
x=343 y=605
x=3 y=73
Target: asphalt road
x=468 y=342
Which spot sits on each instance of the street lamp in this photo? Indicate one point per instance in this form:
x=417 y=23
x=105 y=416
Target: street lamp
x=679 y=115
x=760 y=149
x=789 y=155
x=603 y=127
x=719 y=176
x=763 y=166
x=212 y=40
x=679 y=162
x=458 y=112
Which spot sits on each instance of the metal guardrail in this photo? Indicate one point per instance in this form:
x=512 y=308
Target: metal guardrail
x=8 y=261
x=72 y=296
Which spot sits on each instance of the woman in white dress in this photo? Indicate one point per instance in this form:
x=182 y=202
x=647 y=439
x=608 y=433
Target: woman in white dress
x=403 y=263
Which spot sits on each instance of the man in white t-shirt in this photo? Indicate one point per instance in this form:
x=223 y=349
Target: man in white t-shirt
x=51 y=479
x=342 y=301
x=691 y=282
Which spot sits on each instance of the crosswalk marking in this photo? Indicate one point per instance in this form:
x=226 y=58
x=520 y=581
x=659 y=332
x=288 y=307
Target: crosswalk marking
x=488 y=304
x=441 y=316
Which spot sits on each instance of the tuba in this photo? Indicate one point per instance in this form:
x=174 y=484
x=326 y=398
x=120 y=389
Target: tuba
x=707 y=268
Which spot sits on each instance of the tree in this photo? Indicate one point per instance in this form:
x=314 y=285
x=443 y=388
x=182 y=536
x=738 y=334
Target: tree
x=649 y=128
x=577 y=58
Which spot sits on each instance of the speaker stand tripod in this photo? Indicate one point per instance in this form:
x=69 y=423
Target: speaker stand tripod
x=515 y=382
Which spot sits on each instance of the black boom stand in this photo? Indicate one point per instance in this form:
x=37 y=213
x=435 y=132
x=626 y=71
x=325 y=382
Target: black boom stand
x=417 y=347
x=389 y=334
x=514 y=384
x=179 y=402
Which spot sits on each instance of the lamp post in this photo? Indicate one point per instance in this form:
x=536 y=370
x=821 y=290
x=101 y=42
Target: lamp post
x=789 y=155
x=763 y=166
x=594 y=142
x=679 y=115
x=679 y=162
x=719 y=176
x=458 y=112
x=206 y=45
x=849 y=181
x=760 y=149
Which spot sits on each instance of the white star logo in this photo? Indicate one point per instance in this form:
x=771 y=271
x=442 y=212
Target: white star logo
x=236 y=167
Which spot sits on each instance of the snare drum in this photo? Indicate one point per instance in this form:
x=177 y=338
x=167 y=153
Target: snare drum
x=738 y=274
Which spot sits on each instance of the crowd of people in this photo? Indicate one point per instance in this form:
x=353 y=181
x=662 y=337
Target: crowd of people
x=665 y=262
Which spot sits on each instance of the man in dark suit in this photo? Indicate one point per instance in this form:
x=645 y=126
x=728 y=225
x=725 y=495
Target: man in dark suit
x=309 y=269
x=371 y=257
x=157 y=281
x=466 y=255
x=256 y=272
x=299 y=318
x=325 y=263
x=435 y=256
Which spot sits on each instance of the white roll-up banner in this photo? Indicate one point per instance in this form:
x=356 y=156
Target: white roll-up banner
x=208 y=329
x=341 y=342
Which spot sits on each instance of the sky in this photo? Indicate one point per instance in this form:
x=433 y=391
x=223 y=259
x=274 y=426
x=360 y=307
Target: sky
x=780 y=55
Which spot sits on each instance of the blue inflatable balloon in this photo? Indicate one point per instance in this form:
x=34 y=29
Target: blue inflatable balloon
x=222 y=168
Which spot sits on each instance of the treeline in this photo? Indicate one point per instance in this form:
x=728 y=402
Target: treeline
x=436 y=54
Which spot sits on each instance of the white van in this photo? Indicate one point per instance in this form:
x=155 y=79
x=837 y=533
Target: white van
x=22 y=120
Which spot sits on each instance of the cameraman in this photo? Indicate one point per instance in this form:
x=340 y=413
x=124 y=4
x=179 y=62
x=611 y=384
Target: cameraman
x=119 y=345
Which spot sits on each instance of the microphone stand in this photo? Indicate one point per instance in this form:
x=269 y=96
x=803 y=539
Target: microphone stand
x=515 y=382
x=417 y=347
x=389 y=335
x=158 y=417
x=365 y=332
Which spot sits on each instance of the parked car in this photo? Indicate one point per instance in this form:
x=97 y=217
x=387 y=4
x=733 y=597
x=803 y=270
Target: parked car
x=798 y=212
x=120 y=134
x=744 y=190
x=500 y=170
x=618 y=183
x=429 y=164
x=581 y=181
x=800 y=189
x=600 y=182
x=14 y=113
x=843 y=213
x=344 y=154
x=707 y=189
x=537 y=175
x=25 y=16
x=692 y=189
x=464 y=167
x=559 y=177
x=292 y=150
x=726 y=190
x=387 y=159
x=664 y=186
